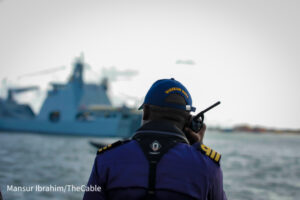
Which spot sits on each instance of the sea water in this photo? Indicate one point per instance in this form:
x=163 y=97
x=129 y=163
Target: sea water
x=44 y=167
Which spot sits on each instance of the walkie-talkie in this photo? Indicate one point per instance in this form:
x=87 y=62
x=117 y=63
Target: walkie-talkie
x=196 y=122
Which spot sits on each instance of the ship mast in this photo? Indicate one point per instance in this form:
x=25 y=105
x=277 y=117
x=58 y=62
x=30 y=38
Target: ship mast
x=77 y=76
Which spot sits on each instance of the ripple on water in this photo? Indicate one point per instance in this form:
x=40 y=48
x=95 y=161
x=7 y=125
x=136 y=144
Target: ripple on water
x=254 y=166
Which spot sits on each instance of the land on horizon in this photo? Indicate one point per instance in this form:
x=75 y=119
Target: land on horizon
x=255 y=129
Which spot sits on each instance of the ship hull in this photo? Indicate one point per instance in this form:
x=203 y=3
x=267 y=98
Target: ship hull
x=97 y=128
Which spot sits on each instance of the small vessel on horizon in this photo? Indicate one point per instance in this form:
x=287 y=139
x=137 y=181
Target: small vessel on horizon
x=74 y=108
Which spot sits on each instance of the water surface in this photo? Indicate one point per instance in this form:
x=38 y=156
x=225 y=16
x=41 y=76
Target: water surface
x=255 y=167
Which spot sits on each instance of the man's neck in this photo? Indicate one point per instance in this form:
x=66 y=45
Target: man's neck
x=178 y=125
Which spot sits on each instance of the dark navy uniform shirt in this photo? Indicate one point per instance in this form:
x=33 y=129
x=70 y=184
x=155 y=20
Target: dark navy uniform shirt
x=184 y=172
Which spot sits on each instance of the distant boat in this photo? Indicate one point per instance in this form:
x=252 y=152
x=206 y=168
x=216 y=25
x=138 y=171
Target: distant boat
x=74 y=108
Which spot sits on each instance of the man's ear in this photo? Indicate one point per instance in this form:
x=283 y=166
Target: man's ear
x=146 y=112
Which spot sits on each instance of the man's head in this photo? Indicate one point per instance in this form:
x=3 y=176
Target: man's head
x=168 y=99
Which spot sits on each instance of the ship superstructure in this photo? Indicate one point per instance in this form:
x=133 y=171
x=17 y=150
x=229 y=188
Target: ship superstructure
x=75 y=108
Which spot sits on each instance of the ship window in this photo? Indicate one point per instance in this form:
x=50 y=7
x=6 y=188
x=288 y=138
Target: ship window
x=54 y=116
x=125 y=116
x=83 y=116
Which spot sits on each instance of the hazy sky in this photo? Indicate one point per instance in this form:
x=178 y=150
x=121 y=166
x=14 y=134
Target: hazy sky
x=245 y=53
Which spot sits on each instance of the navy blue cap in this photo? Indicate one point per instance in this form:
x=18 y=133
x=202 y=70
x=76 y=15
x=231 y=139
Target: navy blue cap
x=160 y=90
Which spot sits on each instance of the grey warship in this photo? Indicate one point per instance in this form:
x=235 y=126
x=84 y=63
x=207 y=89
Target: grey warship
x=73 y=108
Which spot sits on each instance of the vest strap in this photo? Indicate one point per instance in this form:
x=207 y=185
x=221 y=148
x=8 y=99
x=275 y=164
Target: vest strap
x=155 y=146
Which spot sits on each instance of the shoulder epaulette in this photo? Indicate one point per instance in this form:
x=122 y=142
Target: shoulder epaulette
x=212 y=154
x=111 y=146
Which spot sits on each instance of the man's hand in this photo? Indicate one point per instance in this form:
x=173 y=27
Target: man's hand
x=194 y=137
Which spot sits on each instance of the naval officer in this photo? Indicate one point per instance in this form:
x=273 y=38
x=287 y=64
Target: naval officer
x=164 y=159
